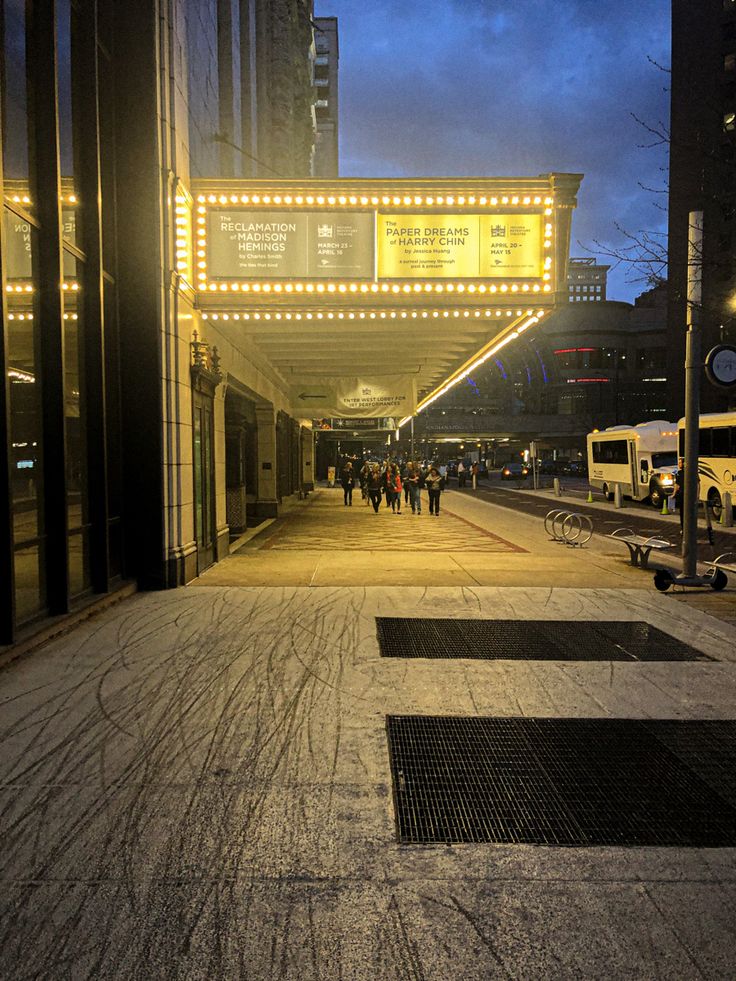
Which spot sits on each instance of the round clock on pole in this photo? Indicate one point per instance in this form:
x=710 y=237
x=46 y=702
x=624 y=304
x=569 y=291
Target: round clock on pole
x=720 y=366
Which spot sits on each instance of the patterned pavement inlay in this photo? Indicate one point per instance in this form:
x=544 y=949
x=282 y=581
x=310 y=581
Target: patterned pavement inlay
x=327 y=525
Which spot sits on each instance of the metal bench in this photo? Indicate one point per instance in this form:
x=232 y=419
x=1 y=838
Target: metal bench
x=639 y=546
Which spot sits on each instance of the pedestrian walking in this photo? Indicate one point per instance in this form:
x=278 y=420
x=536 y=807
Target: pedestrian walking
x=434 y=484
x=393 y=488
x=384 y=478
x=375 y=487
x=414 y=480
x=363 y=478
x=347 y=479
x=405 y=482
x=461 y=474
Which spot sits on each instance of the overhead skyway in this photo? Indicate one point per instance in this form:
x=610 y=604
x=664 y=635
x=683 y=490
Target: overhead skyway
x=371 y=297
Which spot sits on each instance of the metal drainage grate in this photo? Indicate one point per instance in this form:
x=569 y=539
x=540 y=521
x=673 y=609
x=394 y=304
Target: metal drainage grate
x=557 y=640
x=567 y=782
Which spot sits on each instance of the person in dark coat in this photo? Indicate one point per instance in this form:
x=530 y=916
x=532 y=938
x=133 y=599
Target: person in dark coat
x=375 y=487
x=347 y=479
x=434 y=483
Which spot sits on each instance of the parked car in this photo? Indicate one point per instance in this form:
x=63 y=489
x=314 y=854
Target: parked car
x=578 y=468
x=514 y=471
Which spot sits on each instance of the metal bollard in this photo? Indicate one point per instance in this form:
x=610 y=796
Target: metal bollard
x=558 y=489
x=727 y=510
x=618 y=497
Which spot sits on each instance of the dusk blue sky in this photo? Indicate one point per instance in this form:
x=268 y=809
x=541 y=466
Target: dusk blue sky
x=512 y=88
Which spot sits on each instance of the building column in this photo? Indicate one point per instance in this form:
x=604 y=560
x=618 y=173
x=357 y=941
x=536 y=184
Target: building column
x=307 y=458
x=267 y=491
x=222 y=529
x=235 y=468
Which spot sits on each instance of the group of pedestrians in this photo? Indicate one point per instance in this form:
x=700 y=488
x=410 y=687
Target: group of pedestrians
x=391 y=481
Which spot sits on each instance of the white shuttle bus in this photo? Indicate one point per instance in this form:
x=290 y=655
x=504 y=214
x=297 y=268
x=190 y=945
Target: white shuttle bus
x=641 y=460
x=716 y=457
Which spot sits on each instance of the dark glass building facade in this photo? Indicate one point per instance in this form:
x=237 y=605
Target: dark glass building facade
x=133 y=450
x=61 y=487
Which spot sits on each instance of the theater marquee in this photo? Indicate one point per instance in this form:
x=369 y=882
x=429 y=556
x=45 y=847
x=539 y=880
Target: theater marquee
x=371 y=243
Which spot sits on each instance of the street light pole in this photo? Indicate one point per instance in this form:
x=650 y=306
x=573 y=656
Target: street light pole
x=693 y=366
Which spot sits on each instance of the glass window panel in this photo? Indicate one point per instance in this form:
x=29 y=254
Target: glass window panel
x=70 y=94
x=112 y=404
x=25 y=415
x=115 y=548
x=30 y=598
x=17 y=147
x=721 y=441
x=79 y=575
x=75 y=407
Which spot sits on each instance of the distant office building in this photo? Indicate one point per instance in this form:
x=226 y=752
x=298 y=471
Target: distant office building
x=326 y=157
x=586 y=280
x=702 y=177
x=274 y=84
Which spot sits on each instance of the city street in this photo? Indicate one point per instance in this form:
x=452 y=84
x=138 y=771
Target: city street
x=197 y=783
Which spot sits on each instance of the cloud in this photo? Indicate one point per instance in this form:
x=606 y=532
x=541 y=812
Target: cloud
x=510 y=87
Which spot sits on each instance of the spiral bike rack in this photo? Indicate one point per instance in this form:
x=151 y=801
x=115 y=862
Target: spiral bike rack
x=569 y=527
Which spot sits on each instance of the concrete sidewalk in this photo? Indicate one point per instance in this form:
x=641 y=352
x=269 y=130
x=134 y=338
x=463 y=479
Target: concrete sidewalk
x=196 y=783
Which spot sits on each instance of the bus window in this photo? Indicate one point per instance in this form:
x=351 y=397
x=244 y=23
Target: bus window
x=611 y=451
x=721 y=442
x=705 y=442
x=665 y=459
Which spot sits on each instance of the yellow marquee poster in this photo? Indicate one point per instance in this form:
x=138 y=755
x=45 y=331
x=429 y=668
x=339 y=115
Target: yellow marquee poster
x=510 y=246
x=427 y=246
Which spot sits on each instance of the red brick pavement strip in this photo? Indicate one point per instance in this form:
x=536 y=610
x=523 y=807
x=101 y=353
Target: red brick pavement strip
x=512 y=546
x=298 y=525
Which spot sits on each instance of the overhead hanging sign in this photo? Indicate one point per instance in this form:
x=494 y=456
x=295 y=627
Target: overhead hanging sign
x=286 y=244
x=391 y=395
x=357 y=398
x=360 y=424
